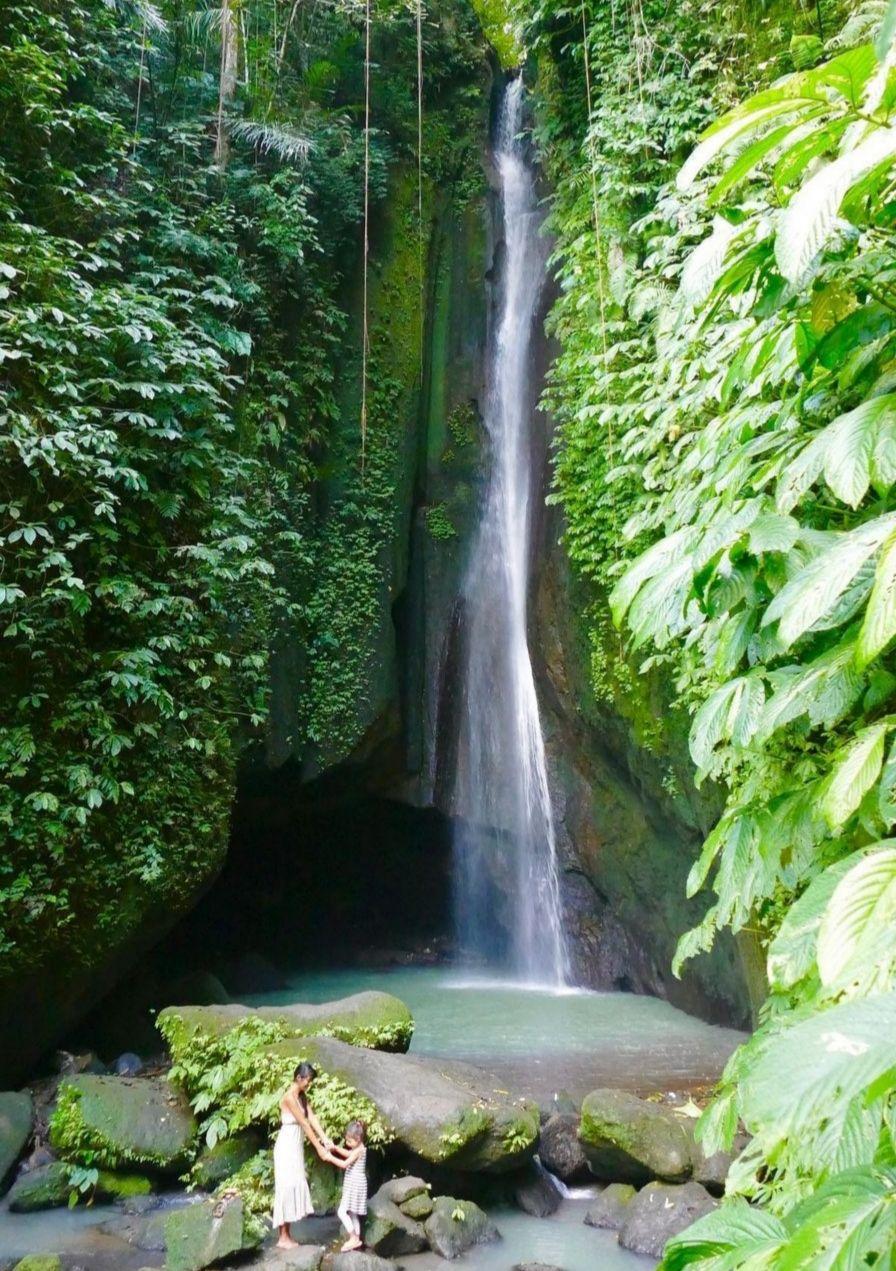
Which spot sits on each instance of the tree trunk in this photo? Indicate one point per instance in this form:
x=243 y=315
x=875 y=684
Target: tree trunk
x=227 y=82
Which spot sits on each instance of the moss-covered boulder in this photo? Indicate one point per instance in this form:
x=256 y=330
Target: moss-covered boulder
x=198 y=1236
x=610 y=1208
x=39 y=1262
x=444 y=1112
x=214 y=1164
x=116 y=1122
x=16 y=1112
x=371 y=1019
x=627 y=1139
x=47 y=1187
x=455 y=1226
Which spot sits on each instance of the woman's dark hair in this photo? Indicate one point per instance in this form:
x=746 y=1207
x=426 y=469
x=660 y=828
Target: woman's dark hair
x=304 y=1070
x=356 y=1130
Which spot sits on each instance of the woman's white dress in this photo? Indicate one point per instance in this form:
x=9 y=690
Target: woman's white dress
x=292 y=1197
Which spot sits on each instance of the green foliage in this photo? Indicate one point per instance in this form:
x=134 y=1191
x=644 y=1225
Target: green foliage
x=439 y=524
x=726 y=409
x=238 y=1078
x=88 y=1148
x=174 y=329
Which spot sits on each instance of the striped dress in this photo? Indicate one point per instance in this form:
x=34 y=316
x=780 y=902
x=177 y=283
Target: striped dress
x=354 y=1186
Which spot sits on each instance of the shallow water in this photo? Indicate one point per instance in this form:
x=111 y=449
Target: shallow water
x=542 y=1041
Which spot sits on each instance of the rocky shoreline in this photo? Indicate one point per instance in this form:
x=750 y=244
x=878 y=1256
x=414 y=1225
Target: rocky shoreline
x=176 y=1154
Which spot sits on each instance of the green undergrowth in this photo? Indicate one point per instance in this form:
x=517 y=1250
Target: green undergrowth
x=238 y=1079
x=84 y=1144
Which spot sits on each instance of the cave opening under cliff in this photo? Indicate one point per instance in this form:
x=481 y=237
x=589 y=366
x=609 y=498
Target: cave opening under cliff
x=324 y=871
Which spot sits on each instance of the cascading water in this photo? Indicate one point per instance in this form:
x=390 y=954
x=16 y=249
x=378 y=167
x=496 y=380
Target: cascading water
x=505 y=836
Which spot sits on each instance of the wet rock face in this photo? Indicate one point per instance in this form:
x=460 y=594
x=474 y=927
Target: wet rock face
x=610 y=1208
x=442 y=1111
x=560 y=1150
x=145 y=1121
x=16 y=1115
x=659 y=1212
x=201 y=1235
x=455 y=1226
x=630 y=1140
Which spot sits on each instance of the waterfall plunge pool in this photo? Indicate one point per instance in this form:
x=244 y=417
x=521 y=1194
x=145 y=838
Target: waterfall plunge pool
x=540 y=1042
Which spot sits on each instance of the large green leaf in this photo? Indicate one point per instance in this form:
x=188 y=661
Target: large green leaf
x=879 y=625
x=791 y=955
x=735 y=1227
x=834 y=1056
x=846 y=1225
x=808 y=221
x=814 y=592
x=765 y=108
x=862 y=907
x=854 y=773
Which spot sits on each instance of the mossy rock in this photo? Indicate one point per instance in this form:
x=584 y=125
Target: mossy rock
x=16 y=1114
x=215 y=1164
x=627 y=1139
x=454 y=1226
x=198 y=1236
x=47 y=1187
x=418 y=1207
x=39 y=1262
x=445 y=1112
x=376 y=1020
x=114 y=1122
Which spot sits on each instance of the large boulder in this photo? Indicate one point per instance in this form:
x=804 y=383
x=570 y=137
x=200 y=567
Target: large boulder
x=659 y=1212
x=560 y=1150
x=39 y=1262
x=610 y=1208
x=455 y=1226
x=47 y=1187
x=201 y=1235
x=445 y=1112
x=358 y=1262
x=117 y=1122
x=627 y=1139
x=16 y=1113
x=377 y=1020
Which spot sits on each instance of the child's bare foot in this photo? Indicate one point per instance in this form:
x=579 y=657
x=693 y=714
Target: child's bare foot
x=286 y=1242
x=351 y=1245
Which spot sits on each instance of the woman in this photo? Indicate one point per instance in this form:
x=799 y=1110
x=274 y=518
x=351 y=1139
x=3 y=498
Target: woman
x=292 y=1198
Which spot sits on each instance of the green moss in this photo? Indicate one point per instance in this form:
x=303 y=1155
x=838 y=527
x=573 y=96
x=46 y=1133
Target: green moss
x=439 y=524
x=112 y=1123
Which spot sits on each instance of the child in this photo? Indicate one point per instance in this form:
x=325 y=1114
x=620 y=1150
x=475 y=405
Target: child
x=354 y=1185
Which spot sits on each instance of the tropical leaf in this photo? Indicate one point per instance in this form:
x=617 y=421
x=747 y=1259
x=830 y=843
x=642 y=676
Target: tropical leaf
x=703 y=266
x=879 y=625
x=861 y=909
x=817 y=588
x=735 y=1227
x=791 y=954
x=834 y=1056
x=854 y=774
x=808 y=221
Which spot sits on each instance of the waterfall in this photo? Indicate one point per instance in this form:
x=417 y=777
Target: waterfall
x=505 y=845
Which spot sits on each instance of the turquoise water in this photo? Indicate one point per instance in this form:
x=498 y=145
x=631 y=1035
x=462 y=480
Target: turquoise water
x=577 y=1040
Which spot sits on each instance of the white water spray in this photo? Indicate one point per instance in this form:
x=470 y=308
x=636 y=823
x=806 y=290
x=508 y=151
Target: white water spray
x=506 y=835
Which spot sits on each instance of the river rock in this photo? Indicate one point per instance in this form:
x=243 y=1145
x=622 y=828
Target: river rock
x=144 y=1121
x=358 y=1262
x=215 y=1164
x=448 y=1113
x=16 y=1114
x=454 y=1226
x=198 y=1236
x=47 y=1187
x=559 y=1148
x=536 y=1194
x=364 y=1019
x=418 y=1207
x=660 y=1211
x=611 y=1206
x=402 y=1190
x=304 y=1258
x=627 y=1139
x=390 y=1232
x=128 y=1065
x=39 y=1262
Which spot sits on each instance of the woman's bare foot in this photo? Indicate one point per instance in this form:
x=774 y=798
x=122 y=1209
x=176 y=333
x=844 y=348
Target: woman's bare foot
x=287 y=1242
x=351 y=1245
